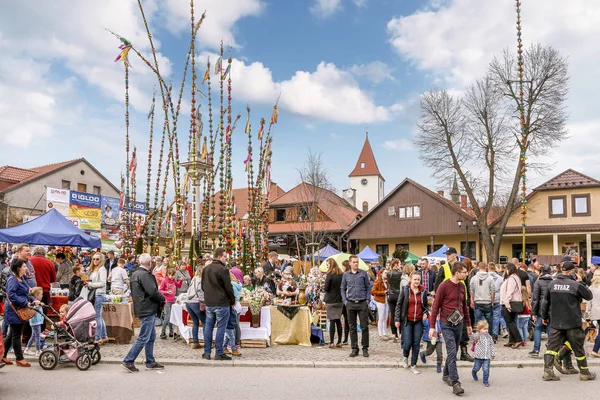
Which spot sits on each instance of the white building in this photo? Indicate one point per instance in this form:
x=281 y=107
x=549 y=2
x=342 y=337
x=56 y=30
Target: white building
x=366 y=182
x=23 y=190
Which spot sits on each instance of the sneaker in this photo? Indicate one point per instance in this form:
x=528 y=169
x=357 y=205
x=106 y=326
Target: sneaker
x=129 y=368
x=405 y=362
x=206 y=356
x=196 y=346
x=447 y=380
x=37 y=353
x=226 y=351
x=534 y=354
x=163 y=337
x=504 y=333
x=29 y=352
x=486 y=384
x=154 y=366
x=236 y=353
x=414 y=370
x=222 y=357
x=474 y=375
x=457 y=389
x=423 y=358
x=438 y=368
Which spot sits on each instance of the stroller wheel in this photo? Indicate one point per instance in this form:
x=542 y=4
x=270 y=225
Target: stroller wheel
x=48 y=360
x=83 y=362
x=96 y=357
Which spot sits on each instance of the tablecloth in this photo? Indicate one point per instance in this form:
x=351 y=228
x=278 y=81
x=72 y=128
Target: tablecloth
x=291 y=331
x=119 y=321
x=263 y=332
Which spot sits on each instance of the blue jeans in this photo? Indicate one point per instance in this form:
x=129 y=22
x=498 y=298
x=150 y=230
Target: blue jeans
x=452 y=336
x=478 y=364
x=100 y=325
x=498 y=320
x=230 y=332
x=144 y=341
x=36 y=331
x=537 y=333
x=197 y=316
x=166 y=320
x=220 y=316
x=412 y=333
x=485 y=312
x=523 y=325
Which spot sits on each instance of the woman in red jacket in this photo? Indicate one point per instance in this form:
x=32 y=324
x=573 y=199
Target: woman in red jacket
x=411 y=310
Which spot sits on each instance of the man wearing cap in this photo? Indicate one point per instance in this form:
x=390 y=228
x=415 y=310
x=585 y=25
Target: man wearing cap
x=445 y=273
x=541 y=291
x=564 y=310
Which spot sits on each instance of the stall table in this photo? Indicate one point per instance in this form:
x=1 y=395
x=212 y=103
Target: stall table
x=291 y=331
x=119 y=321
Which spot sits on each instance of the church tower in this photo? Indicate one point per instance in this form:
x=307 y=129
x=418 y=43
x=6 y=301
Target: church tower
x=366 y=182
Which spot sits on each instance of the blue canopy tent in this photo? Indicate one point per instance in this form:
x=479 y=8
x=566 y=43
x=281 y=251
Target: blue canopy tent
x=368 y=255
x=441 y=254
x=50 y=228
x=323 y=253
x=596 y=260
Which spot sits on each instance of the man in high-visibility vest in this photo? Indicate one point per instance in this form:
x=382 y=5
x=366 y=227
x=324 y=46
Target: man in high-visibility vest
x=444 y=274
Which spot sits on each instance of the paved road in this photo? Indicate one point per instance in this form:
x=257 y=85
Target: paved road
x=111 y=382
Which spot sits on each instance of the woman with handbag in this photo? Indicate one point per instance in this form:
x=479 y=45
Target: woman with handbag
x=17 y=312
x=195 y=305
x=512 y=304
x=97 y=294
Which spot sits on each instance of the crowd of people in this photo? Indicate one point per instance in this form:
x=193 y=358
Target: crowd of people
x=427 y=306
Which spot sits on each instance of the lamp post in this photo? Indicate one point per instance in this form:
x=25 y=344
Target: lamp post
x=459 y=222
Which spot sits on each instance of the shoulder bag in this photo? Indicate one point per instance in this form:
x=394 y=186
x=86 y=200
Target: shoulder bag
x=516 y=306
x=24 y=313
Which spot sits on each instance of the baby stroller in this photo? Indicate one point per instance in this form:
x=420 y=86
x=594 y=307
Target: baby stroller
x=73 y=340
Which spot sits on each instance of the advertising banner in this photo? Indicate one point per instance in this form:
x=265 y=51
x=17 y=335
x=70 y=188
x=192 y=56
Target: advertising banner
x=57 y=195
x=84 y=199
x=62 y=208
x=110 y=210
x=84 y=212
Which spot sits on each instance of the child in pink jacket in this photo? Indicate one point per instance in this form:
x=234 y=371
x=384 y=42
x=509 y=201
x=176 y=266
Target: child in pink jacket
x=168 y=288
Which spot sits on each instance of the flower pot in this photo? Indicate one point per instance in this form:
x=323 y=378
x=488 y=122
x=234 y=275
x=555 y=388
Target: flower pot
x=255 y=319
x=302 y=296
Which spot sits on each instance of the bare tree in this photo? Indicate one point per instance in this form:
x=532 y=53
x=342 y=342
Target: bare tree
x=314 y=206
x=478 y=136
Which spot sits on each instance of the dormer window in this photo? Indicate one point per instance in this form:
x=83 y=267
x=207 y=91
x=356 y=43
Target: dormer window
x=362 y=165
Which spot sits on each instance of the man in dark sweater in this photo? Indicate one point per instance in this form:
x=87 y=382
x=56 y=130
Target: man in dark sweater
x=451 y=301
x=355 y=295
x=219 y=297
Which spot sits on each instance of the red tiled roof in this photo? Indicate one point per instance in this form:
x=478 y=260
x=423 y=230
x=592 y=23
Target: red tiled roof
x=567 y=180
x=12 y=176
x=337 y=209
x=370 y=165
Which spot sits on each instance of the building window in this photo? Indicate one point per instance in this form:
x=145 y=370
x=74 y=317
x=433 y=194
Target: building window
x=581 y=205
x=436 y=247
x=409 y=212
x=66 y=184
x=470 y=252
x=557 y=206
x=280 y=215
x=362 y=165
x=365 y=206
x=404 y=246
x=391 y=211
x=97 y=190
x=530 y=249
x=382 y=249
x=81 y=187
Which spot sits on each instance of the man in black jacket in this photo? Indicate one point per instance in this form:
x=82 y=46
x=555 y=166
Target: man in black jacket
x=541 y=291
x=563 y=308
x=219 y=298
x=146 y=303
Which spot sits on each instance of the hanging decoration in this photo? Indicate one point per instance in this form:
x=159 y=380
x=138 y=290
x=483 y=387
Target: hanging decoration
x=524 y=144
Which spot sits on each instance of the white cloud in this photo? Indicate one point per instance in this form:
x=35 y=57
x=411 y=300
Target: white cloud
x=399 y=145
x=325 y=8
x=455 y=40
x=360 y=3
x=328 y=93
x=375 y=71
x=221 y=16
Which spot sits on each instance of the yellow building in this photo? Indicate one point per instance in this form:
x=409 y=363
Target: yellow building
x=421 y=221
x=563 y=218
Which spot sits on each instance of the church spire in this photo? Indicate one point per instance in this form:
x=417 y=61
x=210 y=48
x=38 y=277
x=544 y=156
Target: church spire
x=455 y=193
x=366 y=164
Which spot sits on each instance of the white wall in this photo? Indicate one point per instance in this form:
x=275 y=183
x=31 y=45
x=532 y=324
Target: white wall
x=372 y=193
x=33 y=195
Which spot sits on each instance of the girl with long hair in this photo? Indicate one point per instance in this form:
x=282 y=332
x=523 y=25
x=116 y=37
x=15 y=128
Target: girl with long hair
x=333 y=301
x=510 y=291
x=97 y=281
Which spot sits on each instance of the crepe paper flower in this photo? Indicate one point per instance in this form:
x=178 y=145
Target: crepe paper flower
x=275 y=115
x=123 y=55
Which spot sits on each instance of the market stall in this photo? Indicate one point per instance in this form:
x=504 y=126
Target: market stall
x=290 y=325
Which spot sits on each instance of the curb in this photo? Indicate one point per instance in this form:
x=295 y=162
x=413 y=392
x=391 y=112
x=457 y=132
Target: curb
x=241 y=363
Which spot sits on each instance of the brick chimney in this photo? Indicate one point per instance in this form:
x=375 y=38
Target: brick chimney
x=463 y=201
x=441 y=193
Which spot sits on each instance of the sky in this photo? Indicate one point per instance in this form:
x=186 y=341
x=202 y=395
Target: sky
x=340 y=67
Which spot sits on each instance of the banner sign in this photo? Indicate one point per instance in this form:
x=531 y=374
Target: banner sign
x=84 y=212
x=62 y=208
x=110 y=210
x=84 y=199
x=57 y=195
